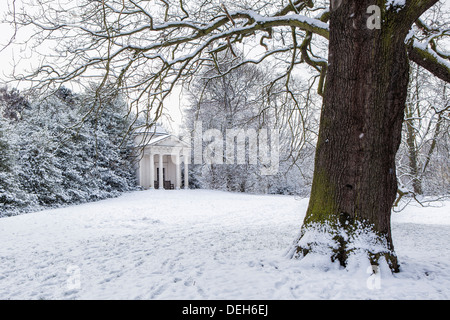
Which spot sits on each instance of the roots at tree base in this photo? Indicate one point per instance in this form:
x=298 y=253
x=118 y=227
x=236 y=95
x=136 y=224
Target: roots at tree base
x=340 y=242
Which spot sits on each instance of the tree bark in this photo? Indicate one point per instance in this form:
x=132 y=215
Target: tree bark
x=413 y=152
x=355 y=184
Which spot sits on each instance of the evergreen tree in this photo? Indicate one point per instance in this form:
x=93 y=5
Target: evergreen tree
x=61 y=156
x=6 y=178
x=12 y=198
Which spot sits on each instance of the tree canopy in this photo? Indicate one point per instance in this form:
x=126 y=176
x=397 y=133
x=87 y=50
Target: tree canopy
x=148 y=47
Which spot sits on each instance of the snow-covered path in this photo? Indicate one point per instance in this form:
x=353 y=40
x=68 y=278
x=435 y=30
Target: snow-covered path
x=200 y=244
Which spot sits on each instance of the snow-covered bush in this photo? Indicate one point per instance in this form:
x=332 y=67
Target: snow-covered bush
x=55 y=155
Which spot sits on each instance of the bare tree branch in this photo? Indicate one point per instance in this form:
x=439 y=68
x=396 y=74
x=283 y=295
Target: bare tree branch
x=430 y=60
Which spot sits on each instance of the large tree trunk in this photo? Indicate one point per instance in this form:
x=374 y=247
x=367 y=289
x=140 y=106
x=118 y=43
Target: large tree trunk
x=354 y=184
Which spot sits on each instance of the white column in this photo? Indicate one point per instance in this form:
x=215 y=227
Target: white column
x=161 y=177
x=152 y=171
x=141 y=171
x=186 y=171
x=178 y=171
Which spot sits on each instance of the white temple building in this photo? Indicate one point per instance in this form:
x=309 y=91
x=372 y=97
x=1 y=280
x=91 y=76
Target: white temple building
x=161 y=157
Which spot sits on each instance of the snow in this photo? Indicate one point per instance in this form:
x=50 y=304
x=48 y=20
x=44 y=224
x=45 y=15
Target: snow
x=202 y=244
x=424 y=47
x=396 y=4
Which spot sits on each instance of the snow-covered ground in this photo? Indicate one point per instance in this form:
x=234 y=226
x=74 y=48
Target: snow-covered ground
x=199 y=244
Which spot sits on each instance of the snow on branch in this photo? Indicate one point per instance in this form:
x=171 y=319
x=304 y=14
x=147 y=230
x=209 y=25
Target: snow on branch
x=426 y=52
x=148 y=47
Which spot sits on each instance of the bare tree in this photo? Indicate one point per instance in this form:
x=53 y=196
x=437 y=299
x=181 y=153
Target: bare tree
x=239 y=100
x=422 y=159
x=147 y=47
